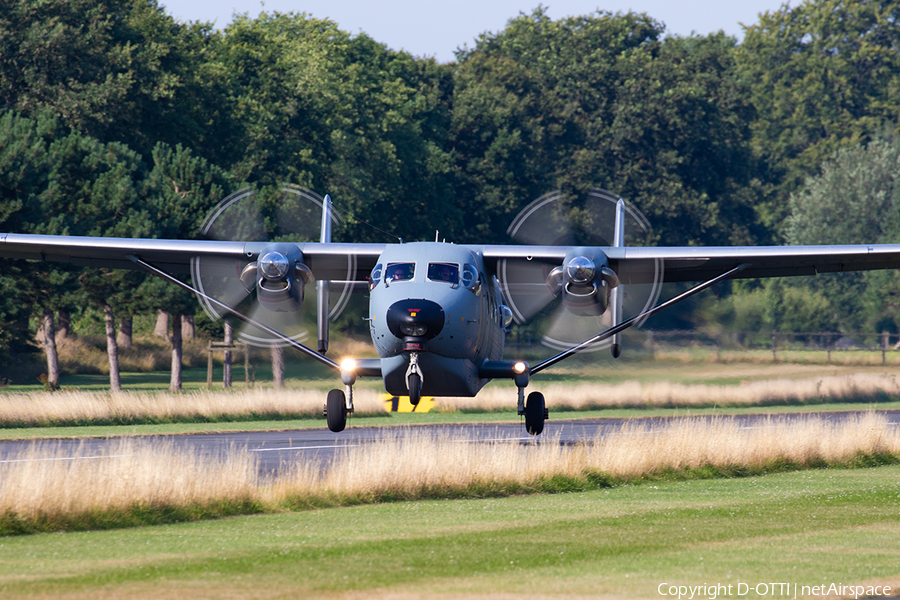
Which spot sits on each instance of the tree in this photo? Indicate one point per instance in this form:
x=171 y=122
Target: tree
x=179 y=191
x=823 y=74
x=24 y=165
x=93 y=189
x=346 y=116
x=116 y=70
x=603 y=100
x=855 y=199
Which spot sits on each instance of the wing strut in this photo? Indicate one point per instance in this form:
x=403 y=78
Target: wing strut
x=616 y=329
x=249 y=320
x=322 y=291
x=617 y=295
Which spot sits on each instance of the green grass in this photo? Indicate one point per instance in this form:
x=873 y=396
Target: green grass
x=593 y=368
x=808 y=528
x=599 y=368
x=395 y=419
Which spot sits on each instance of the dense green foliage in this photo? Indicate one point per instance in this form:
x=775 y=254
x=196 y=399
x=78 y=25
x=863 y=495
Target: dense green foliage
x=824 y=75
x=604 y=101
x=855 y=199
x=119 y=120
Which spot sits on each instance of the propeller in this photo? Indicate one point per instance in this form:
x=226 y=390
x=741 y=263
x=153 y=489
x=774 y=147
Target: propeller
x=272 y=288
x=577 y=298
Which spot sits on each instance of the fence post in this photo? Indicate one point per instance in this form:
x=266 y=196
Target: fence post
x=209 y=366
x=885 y=340
x=774 y=347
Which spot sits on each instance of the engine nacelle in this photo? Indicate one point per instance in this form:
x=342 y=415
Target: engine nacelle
x=584 y=281
x=279 y=277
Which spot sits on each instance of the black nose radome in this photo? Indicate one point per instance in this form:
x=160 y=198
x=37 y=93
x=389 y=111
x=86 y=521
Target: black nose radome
x=415 y=319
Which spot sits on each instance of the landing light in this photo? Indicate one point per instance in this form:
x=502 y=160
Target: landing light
x=519 y=367
x=413 y=329
x=348 y=364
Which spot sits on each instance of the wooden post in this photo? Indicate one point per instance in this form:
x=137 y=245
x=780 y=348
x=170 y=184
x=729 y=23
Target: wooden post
x=247 y=366
x=226 y=362
x=885 y=340
x=774 y=347
x=209 y=365
x=227 y=348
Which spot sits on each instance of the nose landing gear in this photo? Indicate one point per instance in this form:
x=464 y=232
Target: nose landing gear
x=414 y=379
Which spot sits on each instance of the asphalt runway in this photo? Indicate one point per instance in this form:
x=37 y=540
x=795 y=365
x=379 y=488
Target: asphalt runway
x=278 y=450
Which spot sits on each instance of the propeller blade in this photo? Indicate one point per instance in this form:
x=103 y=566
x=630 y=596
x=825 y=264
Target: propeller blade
x=219 y=278
x=291 y=324
x=588 y=220
x=298 y=214
x=283 y=214
x=524 y=285
x=564 y=327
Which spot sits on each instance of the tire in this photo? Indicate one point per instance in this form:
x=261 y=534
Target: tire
x=415 y=388
x=336 y=410
x=534 y=413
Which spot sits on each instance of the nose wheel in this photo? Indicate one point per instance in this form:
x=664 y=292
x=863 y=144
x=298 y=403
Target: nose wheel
x=415 y=388
x=414 y=379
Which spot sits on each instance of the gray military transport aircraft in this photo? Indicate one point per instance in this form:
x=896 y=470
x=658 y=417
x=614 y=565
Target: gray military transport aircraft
x=438 y=311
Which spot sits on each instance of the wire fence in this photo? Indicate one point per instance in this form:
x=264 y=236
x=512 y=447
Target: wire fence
x=819 y=346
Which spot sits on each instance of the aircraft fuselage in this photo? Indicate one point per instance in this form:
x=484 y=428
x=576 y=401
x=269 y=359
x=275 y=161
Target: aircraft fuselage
x=439 y=301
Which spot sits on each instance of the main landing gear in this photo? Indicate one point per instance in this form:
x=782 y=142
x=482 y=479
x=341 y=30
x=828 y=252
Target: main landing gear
x=534 y=410
x=338 y=404
x=336 y=410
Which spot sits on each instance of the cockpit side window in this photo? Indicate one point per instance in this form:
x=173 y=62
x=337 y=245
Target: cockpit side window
x=399 y=272
x=470 y=279
x=375 y=277
x=445 y=272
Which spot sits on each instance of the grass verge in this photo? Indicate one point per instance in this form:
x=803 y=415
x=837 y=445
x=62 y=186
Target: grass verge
x=806 y=528
x=403 y=419
x=48 y=491
x=78 y=408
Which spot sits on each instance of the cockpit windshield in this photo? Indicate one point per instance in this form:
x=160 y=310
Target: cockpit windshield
x=446 y=272
x=399 y=272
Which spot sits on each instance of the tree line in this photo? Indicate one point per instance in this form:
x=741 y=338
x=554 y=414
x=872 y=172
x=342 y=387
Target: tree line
x=119 y=120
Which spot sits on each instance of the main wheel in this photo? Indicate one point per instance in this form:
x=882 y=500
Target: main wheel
x=336 y=410
x=415 y=388
x=534 y=413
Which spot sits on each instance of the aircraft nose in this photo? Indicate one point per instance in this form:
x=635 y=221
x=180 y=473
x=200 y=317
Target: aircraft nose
x=415 y=321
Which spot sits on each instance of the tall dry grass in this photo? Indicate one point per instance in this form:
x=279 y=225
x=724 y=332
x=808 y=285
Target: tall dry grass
x=87 y=354
x=634 y=394
x=132 y=484
x=81 y=407
x=410 y=464
x=59 y=481
x=84 y=407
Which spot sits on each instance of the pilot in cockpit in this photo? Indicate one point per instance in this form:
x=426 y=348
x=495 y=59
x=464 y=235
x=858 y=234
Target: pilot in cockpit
x=400 y=272
x=446 y=272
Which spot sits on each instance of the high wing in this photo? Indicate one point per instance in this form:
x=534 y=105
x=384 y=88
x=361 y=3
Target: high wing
x=700 y=263
x=326 y=261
